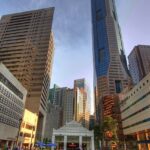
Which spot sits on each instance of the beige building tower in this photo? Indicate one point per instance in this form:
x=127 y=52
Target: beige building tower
x=26 y=48
x=80 y=103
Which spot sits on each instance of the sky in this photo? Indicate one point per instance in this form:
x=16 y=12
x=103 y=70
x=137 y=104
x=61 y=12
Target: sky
x=72 y=33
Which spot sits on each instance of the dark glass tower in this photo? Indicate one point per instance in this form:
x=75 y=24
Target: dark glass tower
x=110 y=67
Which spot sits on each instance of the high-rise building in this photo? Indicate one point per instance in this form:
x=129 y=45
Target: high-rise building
x=110 y=68
x=12 y=102
x=139 y=62
x=80 y=83
x=79 y=107
x=26 y=48
x=68 y=106
x=52 y=94
x=81 y=113
x=57 y=95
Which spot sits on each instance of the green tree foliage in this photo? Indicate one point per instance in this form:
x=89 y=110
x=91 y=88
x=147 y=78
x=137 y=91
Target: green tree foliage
x=110 y=125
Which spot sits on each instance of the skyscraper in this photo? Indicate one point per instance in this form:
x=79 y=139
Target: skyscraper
x=139 y=62
x=110 y=68
x=68 y=109
x=81 y=102
x=26 y=48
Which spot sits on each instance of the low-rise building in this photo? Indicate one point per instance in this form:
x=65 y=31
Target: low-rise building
x=135 y=112
x=28 y=129
x=12 y=101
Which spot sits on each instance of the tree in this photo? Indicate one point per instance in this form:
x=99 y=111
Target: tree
x=106 y=131
x=98 y=135
x=110 y=126
x=110 y=130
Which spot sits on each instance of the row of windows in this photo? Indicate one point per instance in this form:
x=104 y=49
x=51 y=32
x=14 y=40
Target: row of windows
x=10 y=96
x=133 y=93
x=9 y=112
x=10 y=86
x=8 y=121
x=139 y=111
x=26 y=135
x=137 y=123
x=138 y=100
x=10 y=104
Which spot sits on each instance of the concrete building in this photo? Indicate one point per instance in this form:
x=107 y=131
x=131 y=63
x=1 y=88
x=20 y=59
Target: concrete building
x=139 y=62
x=26 y=48
x=12 y=102
x=135 y=112
x=28 y=129
x=54 y=120
x=68 y=106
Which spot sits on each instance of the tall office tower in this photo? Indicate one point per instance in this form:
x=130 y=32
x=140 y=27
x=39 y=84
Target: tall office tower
x=80 y=103
x=79 y=106
x=110 y=67
x=68 y=106
x=139 y=62
x=26 y=48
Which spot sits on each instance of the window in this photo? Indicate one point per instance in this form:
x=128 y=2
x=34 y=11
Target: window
x=101 y=55
x=114 y=14
x=118 y=86
x=98 y=15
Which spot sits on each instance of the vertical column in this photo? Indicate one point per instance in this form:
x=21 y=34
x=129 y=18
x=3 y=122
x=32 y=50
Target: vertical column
x=92 y=143
x=80 y=141
x=53 y=141
x=65 y=142
x=147 y=138
x=138 y=139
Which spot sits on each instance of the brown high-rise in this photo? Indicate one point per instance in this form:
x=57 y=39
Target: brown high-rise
x=26 y=48
x=139 y=62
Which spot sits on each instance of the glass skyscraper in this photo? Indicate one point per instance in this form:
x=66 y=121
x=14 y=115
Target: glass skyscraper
x=110 y=67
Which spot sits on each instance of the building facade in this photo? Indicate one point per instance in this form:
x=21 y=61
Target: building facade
x=28 y=129
x=26 y=48
x=135 y=110
x=81 y=113
x=52 y=94
x=57 y=95
x=110 y=68
x=12 y=102
x=54 y=120
x=68 y=106
x=139 y=62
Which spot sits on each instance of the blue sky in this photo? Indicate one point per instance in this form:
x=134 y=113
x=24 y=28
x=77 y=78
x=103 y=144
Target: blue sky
x=72 y=33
